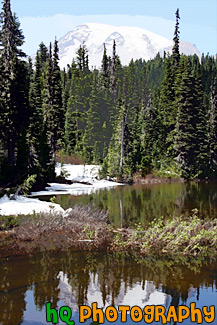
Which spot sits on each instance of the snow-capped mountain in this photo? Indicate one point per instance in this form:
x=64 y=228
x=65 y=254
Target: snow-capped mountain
x=131 y=42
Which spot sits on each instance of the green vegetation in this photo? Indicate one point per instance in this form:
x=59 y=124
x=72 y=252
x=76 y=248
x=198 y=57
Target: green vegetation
x=188 y=236
x=132 y=119
x=85 y=228
x=175 y=236
x=8 y=222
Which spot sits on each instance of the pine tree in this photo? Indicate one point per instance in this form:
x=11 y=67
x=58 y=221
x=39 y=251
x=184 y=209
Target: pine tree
x=175 y=50
x=70 y=136
x=93 y=137
x=36 y=116
x=14 y=87
x=48 y=99
x=53 y=111
x=168 y=109
x=57 y=96
x=201 y=125
x=117 y=151
x=185 y=127
x=40 y=152
x=149 y=122
x=213 y=128
x=82 y=58
x=21 y=115
x=105 y=70
x=167 y=103
x=113 y=71
x=7 y=59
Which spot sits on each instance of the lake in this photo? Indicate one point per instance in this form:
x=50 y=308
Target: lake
x=75 y=279
x=132 y=204
x=82 y=278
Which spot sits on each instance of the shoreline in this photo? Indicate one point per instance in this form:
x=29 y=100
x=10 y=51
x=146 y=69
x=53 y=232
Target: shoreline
x=84 y=229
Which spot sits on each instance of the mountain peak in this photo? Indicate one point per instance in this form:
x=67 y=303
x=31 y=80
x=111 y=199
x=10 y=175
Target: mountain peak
x=132 y=43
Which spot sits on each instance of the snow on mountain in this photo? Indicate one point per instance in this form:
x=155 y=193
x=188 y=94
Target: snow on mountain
x=132 y=42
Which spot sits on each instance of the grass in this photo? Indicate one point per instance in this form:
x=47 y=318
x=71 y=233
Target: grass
x=85 y=228
x=69 y=159
x=186 y=236
x=9 y=222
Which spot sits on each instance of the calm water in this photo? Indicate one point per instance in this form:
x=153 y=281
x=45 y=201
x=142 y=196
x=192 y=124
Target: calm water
x=128 y=205
x=74 y=279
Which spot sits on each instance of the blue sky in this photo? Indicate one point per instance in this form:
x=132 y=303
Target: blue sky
x=42 y=20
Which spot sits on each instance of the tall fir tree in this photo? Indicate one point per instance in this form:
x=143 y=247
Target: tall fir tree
x=93 y=136
x=186 y=135
x=168 y=109
x=113 y=71
x=53 y=110
x=57 y=97
x=149 y=122
x=175 y=50
x=14 y=96
x=105 y=78
x=117 y=150
x=71 y=132
x=213 y=128
x=82 y=58
x=201 y=125
x=7 y=54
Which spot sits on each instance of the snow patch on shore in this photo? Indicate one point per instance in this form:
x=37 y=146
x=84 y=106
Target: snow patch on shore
x=84 y=173
x=77 y=173
x=25 y=206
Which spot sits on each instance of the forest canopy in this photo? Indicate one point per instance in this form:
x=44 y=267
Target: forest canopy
x=156 y=115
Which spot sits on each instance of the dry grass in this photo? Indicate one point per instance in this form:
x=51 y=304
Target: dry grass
x=66 y=159
x=83 y=228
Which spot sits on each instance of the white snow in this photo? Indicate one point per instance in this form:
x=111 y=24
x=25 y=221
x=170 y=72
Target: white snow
x=24 y=205
x=132 y=43
x=75 y=189
x=83 y=173
x=79 y=173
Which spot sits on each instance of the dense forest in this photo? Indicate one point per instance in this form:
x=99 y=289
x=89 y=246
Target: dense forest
x=156 y=115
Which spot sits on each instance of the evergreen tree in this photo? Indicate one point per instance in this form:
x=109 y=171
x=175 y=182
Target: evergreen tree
x=82 y=58
x=14 y=96
x=71 y=136
x=57 y=97
x=113 y=71
x=36 y=116
x=105 y=70
x=47 y=100
x=53 y=111
x=175 y=50
x=213 y=128
x=201 y=125
x=168 y=108
x=93 y=137
x=117 y=151
x=7 y=55
x=167 y=101
x=185 y=128
x=149 y=135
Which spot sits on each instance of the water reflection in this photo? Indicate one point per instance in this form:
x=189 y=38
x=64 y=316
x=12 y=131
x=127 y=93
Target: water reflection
x=75 y=279
x=129 y=205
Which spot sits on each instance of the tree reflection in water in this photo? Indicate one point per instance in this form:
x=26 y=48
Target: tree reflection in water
x=109 y=279
x=128 y=205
